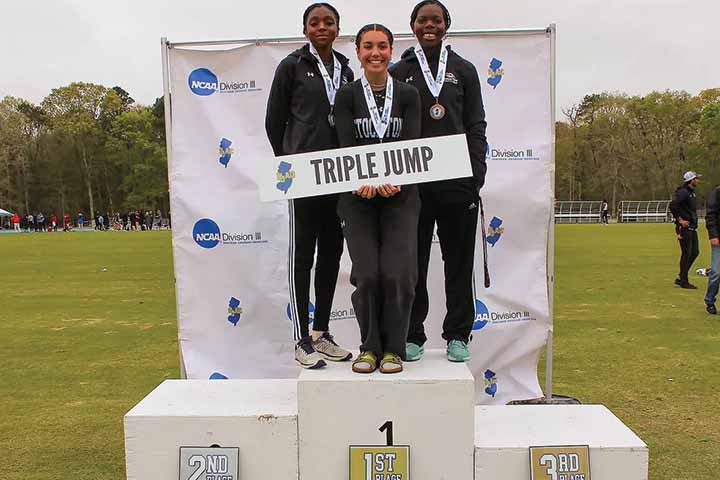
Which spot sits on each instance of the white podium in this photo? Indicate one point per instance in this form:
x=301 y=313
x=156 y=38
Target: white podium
x=259 y=417
x=503 y=435
x=430 y=405
x=303 y=429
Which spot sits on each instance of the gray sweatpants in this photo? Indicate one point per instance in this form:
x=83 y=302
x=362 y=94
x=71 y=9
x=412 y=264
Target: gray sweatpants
x=381 y=235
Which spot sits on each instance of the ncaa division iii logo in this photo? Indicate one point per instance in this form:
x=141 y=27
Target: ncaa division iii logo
x=203 y=82
x=206 y=233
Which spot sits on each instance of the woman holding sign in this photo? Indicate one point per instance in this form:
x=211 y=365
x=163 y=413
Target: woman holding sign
x=451 y=104
x=300 y=119
x=379 y=222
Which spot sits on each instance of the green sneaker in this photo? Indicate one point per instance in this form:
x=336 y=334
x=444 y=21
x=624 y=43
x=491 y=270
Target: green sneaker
x=413 y=352
x=458 y=351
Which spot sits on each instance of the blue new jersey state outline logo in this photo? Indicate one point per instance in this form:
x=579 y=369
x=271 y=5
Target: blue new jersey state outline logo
x=495 y=73
x=490 y=380
x=285 y=176
x=495 y=231
x=225 y=152
x=234 y=311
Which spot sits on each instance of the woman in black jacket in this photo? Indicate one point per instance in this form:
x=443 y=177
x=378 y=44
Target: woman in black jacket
x=451 y=103
x=300 y=119
x=380 y=222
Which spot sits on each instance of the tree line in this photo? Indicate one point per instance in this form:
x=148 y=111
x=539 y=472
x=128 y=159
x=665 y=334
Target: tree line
x=618 y=147
x=84 y=148
x=90 y=148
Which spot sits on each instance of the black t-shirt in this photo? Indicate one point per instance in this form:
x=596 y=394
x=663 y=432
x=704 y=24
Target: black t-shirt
x=353 y=121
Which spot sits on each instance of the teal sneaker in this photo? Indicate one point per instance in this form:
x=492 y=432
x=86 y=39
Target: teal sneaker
x=458 y=351
x=413 y=352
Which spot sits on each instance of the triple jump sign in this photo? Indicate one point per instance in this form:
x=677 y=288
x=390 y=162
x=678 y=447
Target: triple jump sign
x=346 y=169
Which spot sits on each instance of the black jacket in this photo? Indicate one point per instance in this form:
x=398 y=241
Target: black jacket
x=464 y=113
x=296 y=120
x=683 y=205
x=355 y=127
x=712 y=214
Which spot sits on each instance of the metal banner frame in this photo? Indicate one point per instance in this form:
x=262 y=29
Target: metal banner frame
x=550 y=31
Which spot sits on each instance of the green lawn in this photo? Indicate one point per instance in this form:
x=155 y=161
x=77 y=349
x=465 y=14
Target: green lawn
x=82 y=345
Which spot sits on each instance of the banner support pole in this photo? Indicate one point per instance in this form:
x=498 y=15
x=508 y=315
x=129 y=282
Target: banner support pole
x=164 y=46
x=552 y=29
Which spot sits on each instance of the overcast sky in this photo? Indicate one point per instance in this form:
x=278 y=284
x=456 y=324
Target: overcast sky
x=632 y=46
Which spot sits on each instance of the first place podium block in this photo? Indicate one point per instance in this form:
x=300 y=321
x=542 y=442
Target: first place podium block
x=255 y=418
x=430 y=406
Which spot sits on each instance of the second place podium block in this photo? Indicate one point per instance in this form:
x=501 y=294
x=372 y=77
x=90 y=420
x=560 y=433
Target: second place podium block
x=426 y=414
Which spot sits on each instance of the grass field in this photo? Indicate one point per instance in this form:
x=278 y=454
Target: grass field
x=81 y=345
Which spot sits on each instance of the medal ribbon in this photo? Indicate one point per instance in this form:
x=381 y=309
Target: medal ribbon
x=433 y=84
x=380 y=122
x=331 y=85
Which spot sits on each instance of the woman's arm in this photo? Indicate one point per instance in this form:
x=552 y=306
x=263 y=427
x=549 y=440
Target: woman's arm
x=411 y=119
x=278 y=106
x=475 y=124
x=344 y=113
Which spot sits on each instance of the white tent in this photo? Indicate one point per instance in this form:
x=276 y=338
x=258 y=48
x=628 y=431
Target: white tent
x=5 y=213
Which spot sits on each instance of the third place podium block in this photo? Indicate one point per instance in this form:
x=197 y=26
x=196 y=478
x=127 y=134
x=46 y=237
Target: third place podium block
x=382 y=426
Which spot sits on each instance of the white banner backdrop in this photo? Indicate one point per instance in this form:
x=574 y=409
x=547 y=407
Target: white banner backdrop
x=231 y=249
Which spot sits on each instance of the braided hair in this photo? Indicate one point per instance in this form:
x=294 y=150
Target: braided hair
x=312 y=7
x=374 y=27
x=446 y=13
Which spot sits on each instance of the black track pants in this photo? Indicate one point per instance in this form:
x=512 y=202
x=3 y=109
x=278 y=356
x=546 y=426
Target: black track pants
x=313 y=221
x=689 y=251
x=457 y=226
x=382 y=241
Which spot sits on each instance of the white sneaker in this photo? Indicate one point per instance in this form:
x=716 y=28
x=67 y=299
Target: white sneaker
x=306 y=356
x=330 y=350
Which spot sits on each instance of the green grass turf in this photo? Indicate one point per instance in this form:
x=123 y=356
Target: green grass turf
x=82 y=346
x=627 y=337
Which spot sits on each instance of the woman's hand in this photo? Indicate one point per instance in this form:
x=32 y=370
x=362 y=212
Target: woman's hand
x=366 y=191
x=387 y=190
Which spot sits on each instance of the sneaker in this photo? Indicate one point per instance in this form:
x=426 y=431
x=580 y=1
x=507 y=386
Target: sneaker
x=330 y=350
x=391 y=363
x=366 y=362
x=306 y=356
x=689 y=286
x=413 y=352
x=710 y=308
x=458 y=351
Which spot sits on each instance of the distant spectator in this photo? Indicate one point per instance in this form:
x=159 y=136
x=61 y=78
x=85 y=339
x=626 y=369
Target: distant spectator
x=30 y=222
x=148 y=220
x=40 y=222
x=53 y=222
x=99 y=221
x=66 y=223
x=15 y=219
x=80 y=220
x=106 y=221
x=604 y=211
x=157 y=221
x=684 y=208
